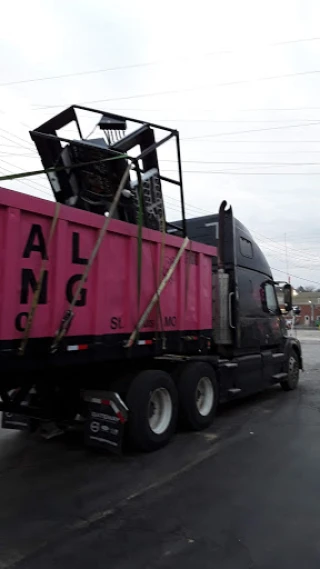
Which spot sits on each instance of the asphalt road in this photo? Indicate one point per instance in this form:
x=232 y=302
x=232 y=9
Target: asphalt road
x=245 y=493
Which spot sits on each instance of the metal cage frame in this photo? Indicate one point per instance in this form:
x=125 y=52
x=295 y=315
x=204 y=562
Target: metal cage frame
x=48 y=132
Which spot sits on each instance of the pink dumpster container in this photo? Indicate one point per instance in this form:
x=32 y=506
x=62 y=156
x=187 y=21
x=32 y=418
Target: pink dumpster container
x=109 y=303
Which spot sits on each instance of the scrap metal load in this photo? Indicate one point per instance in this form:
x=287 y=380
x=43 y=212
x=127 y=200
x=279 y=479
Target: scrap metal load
x=109 y=286
x=87 y=172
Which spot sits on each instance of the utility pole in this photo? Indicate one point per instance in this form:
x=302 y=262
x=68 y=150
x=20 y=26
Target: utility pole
x=286 y=256
x=293 y=330
x=311 y=312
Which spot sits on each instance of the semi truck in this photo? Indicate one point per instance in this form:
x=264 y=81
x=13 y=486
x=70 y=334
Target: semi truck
x=116 y=320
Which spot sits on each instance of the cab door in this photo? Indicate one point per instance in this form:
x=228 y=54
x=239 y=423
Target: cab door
x=259 y=313
x=259 y=356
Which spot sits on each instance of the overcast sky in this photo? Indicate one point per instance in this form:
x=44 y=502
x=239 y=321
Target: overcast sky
x=239 y=80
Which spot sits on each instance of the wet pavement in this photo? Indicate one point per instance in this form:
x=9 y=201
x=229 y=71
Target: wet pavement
x=245 y=493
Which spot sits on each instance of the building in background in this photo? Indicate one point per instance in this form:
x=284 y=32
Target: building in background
x=309 y=304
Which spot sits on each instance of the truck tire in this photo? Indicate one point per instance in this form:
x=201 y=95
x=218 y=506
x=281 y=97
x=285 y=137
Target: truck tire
x=198 y=392
x=152 y=400
x=291 y=382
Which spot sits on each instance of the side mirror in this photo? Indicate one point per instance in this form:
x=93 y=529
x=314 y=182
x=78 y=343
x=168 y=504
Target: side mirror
x=287 y=297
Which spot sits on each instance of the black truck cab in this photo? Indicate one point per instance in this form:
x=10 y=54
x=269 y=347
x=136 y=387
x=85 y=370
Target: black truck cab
x=248 y=325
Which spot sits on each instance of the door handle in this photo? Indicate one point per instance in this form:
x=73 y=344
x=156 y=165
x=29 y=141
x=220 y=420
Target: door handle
x=231 y=294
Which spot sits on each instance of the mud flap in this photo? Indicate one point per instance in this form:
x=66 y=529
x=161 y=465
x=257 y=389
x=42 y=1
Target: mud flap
x=107 y=415
x=15 y=421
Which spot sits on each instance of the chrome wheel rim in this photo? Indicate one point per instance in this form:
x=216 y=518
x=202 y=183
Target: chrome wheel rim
x=293 y=371
x=204 y=396
x=159 y=410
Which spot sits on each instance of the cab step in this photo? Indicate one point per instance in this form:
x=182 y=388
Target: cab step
x=280 y=376
x=234 y=391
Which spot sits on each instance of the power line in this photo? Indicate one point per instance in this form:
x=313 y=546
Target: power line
x=295 y=250
x=287 y=42
x=10 y=145
x=258 y=152
x=17 y=144
x=29 y=147
x=297 y=256
x=191 y=89
x=237 y=173
x=81 y=73
x=314 y=236
x=151 y=63
x=206 y=211
x=295 y=276
x=253 y=152
x=246 y=162
x=276 y=241
x=274 y=250
x=31 y=155
x=35 y=183
x=189 y=206
x=280 y=109
x=15 y=136
x=251 y=141
x=221 y=121
x=27 y=183
x=253 y=130
x=165 y=110
x=278 y=247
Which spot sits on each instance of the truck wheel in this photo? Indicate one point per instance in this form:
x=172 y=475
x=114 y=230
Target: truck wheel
x=153 y=409
x=291 y=382
x=198 y=395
